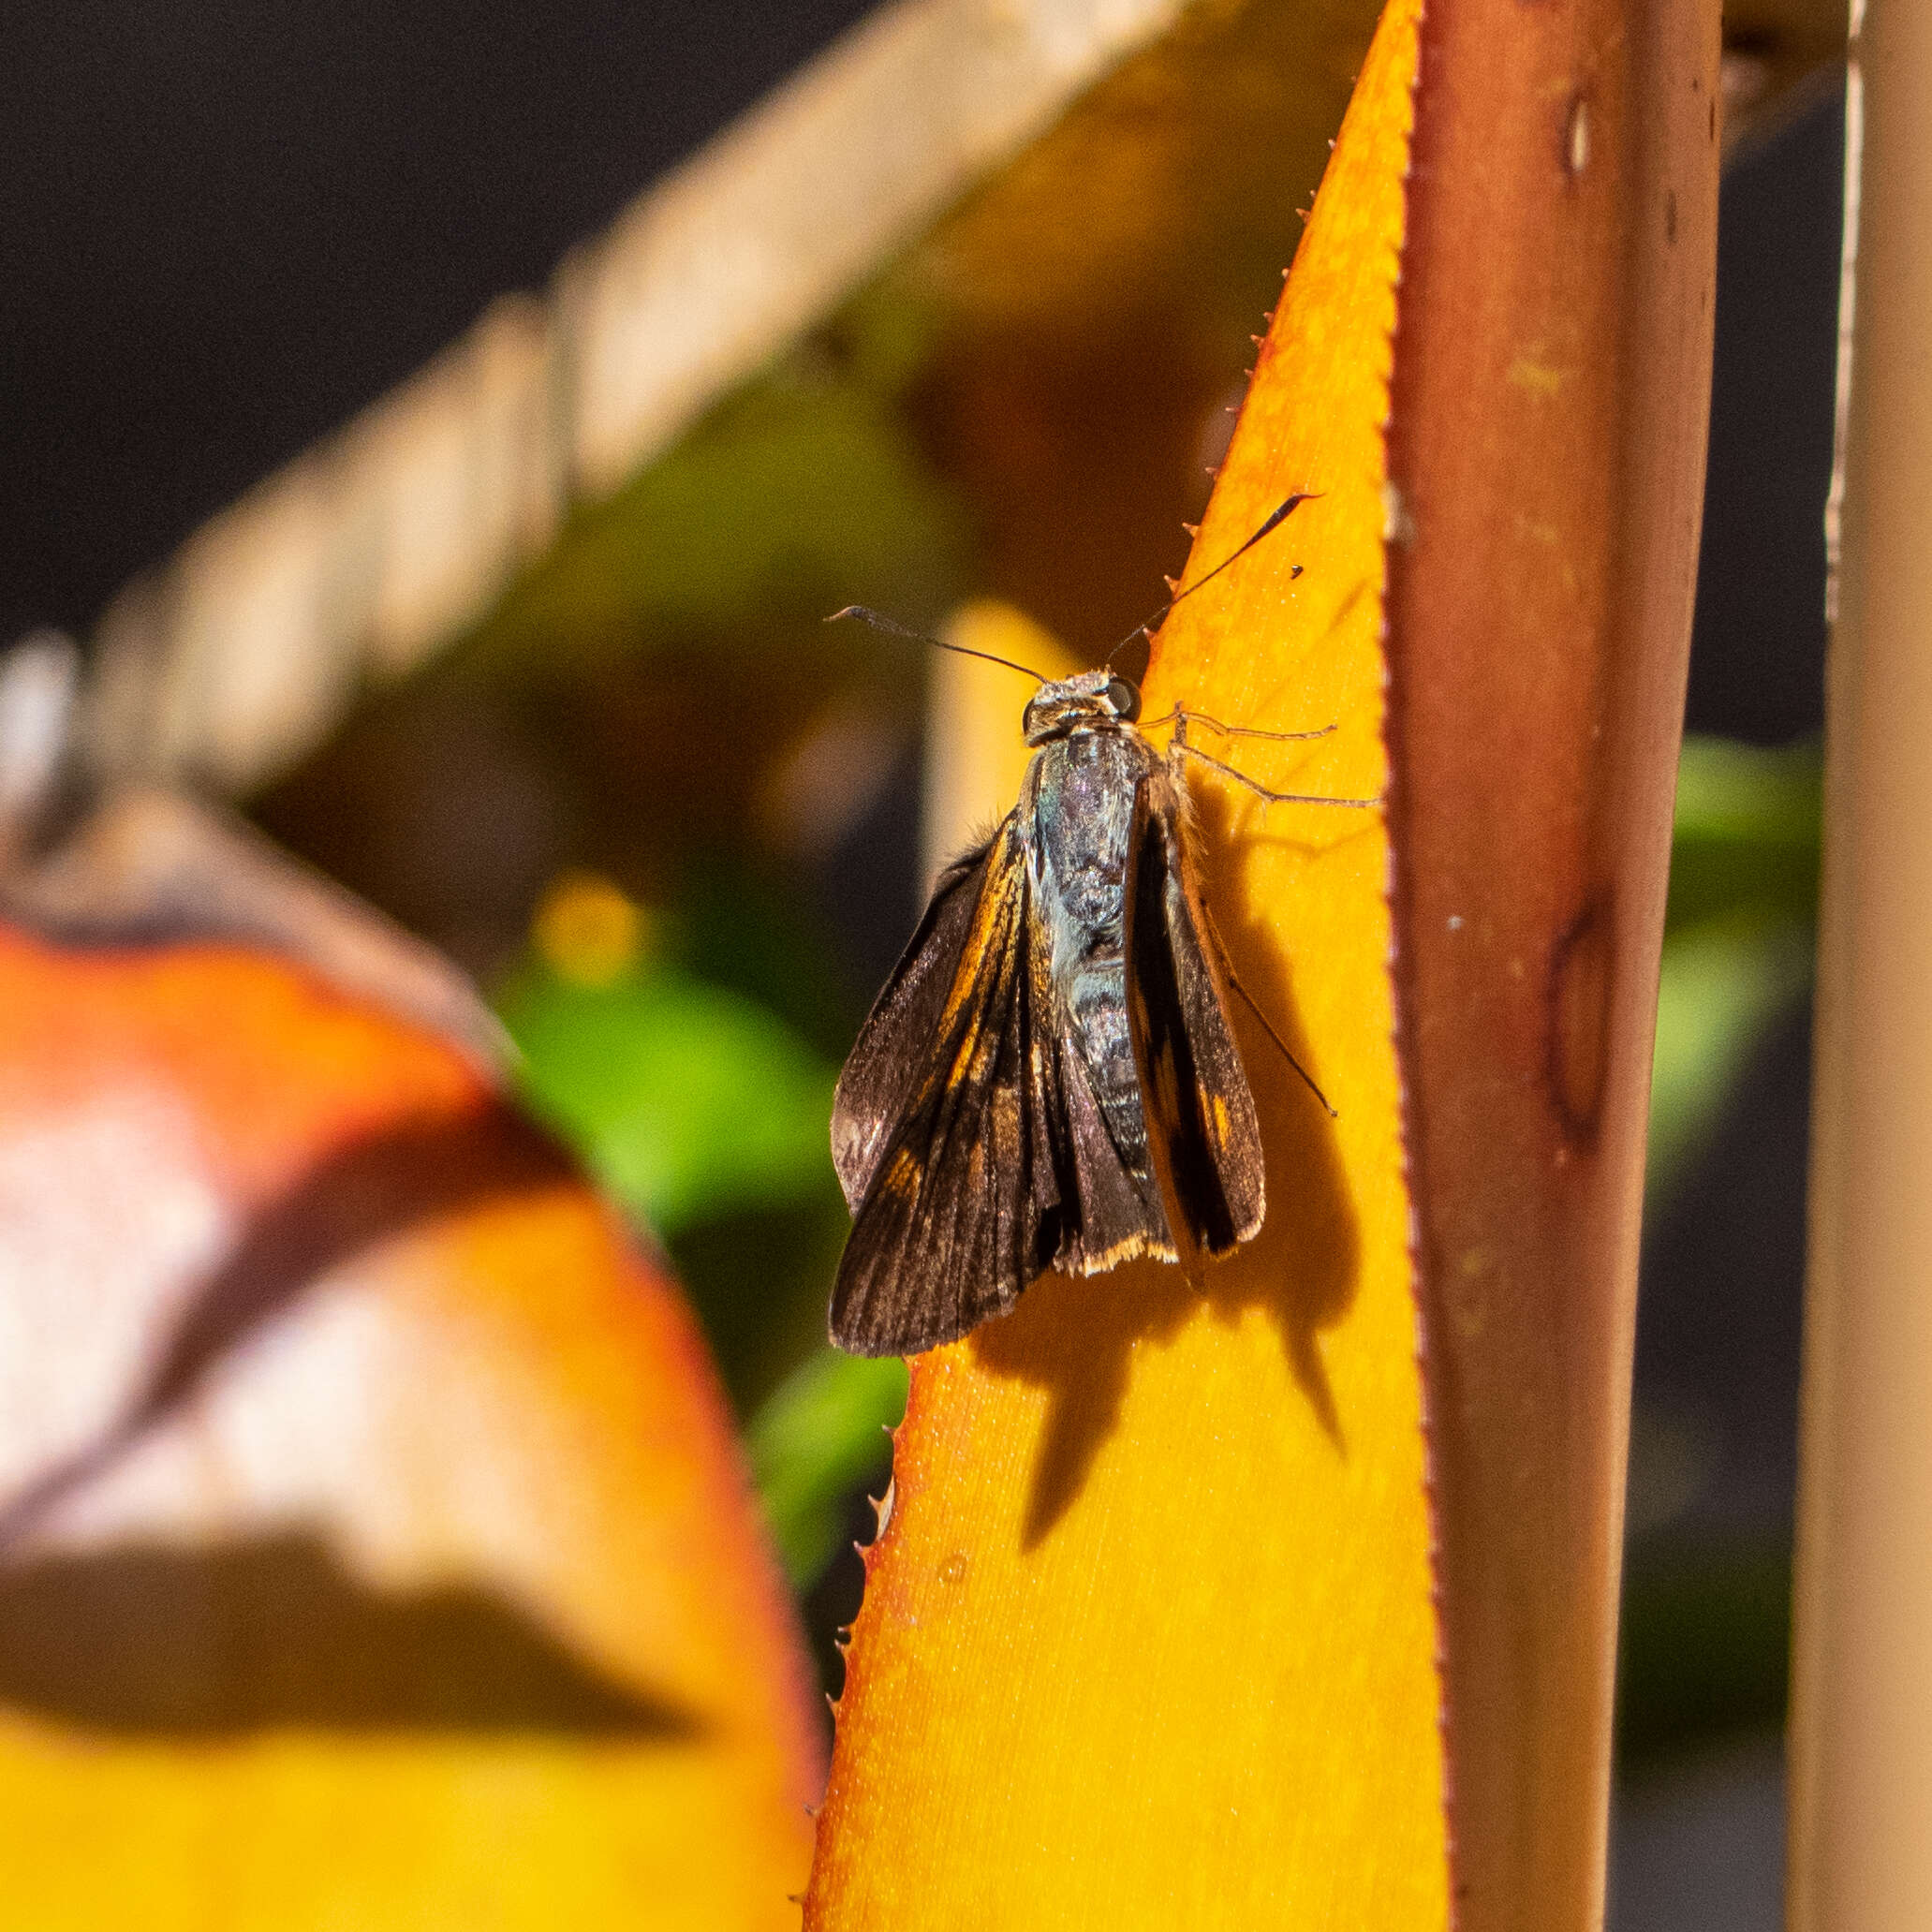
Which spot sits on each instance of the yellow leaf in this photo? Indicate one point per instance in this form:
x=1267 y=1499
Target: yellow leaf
x=1148 y=1637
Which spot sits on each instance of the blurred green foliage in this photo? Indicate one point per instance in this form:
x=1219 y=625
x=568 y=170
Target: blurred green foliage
x=1738 y=933
x=687 y=1100
x=1747 y=829
x=1706 y=1634
x=697 y=1084
x=1704 y=1649
x=821 y=1434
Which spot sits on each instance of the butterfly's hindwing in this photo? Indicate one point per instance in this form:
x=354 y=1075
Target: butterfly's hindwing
x=1202 y=1129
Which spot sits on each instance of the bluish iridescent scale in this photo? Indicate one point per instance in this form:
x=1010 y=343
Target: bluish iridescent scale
x=1086 y=785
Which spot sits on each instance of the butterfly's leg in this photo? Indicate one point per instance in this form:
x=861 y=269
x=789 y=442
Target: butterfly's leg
x=1181 y=718
x=1255 y=730
x=1274 y=798
x=1254 y=1007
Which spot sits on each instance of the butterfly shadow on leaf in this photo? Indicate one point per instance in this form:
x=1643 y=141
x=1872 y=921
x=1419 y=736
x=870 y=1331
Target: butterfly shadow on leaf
x=1076 y=1337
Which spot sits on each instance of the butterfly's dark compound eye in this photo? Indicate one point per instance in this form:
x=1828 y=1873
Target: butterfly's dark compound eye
x=1124 y=699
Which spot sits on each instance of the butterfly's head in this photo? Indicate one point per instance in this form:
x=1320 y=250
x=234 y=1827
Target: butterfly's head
x=1091 y=701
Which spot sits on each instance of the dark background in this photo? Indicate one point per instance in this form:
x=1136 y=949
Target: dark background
x=228 y=226
x=1718 y=1318
x=1706 y=1641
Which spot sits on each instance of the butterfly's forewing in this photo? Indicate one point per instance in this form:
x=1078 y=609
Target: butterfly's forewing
x=939 y=1128
x=881 y=1073
x=1202 y=1129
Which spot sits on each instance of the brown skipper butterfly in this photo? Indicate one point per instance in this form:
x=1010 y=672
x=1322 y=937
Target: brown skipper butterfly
x=1049 y=1080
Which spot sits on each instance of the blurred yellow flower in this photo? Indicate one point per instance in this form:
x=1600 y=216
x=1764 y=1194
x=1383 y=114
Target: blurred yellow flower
x=588 y=930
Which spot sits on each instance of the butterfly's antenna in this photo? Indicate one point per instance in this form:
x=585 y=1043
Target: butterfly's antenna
x=879 y=621
x=1148 y=624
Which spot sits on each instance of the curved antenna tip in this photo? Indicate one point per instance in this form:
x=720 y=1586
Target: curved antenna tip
x=866 y=615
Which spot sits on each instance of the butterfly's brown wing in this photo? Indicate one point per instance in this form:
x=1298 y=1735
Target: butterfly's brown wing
x=899 y=1033
x=941 y=1128
x=1113 y=1210
x=1202 y=1130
